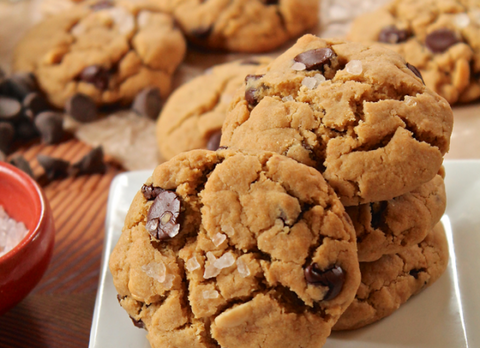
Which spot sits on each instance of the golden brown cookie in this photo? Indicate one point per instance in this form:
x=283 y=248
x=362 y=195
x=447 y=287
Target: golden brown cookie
x=106 y=50
x=359 y=114
x=220 y=247
x=193 y=116
x=390 y=281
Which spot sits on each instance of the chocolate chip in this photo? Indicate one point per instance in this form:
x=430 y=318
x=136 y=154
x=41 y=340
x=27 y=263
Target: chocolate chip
x=96 y=75
x=138 y=323
x=150 y=192
x=50 y=126
x=333 y=278
x=414 y=272
x=271 y=2
x=7 y=134
x=34 y=103
x=250 y=78
x=214 y=141
x=249 y=62
x=378 y=209
x=315 y=59
x=21 y=163
x=251 y=92
x=202 y=33
x=119 y=298
x=82 y=108
x=415 y=71
x=100 y=5
x=91 y=163
x=440 y=40
x=148 y=103
x=393 y=35
x=9 y=108
x=162 y=216
x=18 y=85
x=55 y=168
x=24 y=128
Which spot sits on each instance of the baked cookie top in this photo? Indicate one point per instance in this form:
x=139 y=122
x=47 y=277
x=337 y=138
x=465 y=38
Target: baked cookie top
x=193 y=115
x=219 y=248
x=439 y=37
x=107 y=50
x=244 y=25
x=387 y=227
x=359 y=114
x=390 y=281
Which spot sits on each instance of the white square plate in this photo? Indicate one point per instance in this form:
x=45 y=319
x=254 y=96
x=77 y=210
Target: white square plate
x=446 y=315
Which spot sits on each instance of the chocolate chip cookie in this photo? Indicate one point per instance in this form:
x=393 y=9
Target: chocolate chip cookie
x=239 y=250
x=387 y=227
x=103 y=49
x=393 y=279
x=193 y=116
x=359 y=114
x=244 y=25
x=440 y=38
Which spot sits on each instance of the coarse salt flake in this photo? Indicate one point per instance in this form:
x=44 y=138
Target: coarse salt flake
x=11 y=232
x=354 y=67
x=309 y=82
x=155 y=270
x=225 y=261
x=211 y=271
x=218 y=239
x=320 y=78
x=242 y=268
x=298 y=66
x=410 y=101
x=192 y=264
x=168 y=282
x=462 y=20
x=143 y=18
x=207 y=294
x=288 y=98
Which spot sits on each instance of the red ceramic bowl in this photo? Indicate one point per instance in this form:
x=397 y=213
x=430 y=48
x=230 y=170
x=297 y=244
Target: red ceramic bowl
x=23 y=266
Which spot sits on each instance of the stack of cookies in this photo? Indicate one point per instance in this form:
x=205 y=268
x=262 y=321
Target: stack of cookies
x=317 y=212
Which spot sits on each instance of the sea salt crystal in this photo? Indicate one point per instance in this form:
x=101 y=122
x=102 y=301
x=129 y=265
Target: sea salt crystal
x=143 y=18
x=320 y=78
x=462 y=20
x=78 y=30
x=309 y=82
x=229 y=230
x=211 y=271
x=192 y=264
x=218 y=239
x=242 y=268
x=11 y=232
x=123 y=19
x=410 y=101
x=288 y=98
x=298 y=66
x=225 y=261
x=207 y=294
x=168 y=282
x=155 y=270
x=354 y=67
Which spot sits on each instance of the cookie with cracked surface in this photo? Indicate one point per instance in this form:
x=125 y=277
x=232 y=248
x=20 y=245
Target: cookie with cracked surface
x=357 y=113
x=390 y=281
x=219 y=247
x=244 y=25
x=440 y=37
x=106 y=50
x=193 y=115
x=387 y=227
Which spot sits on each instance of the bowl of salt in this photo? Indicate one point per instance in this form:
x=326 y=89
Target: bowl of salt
x=27 y=235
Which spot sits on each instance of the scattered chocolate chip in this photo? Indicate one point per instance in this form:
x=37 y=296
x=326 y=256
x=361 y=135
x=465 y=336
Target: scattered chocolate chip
x=333 y=278
x=100 y=5
x=414 y=272
x=440 y=40
x=34 y=103
x=415 y=71
x=202 y=33
x=18 y=85
x=55 y=168
x=315 y=59
x=150 y=192
x=378 y=209
x=9 y=108
x=82 y=108
x=148 y=103
x=91 y=163
x=21 y=163
x=393 y=35
x=214 y=141
x=162 y=216
x=25 y=129
x=96 y=75
x=50 y=126
x=138 y=323
x=7 y=134
x=250 y=78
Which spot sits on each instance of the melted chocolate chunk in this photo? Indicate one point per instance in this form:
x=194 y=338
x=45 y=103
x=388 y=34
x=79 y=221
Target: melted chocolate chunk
x=250 y=92
x=150 y=192
x=415 y=71
x=333 y=278
x=138 y=323
x=214 y=141
x=393 y=35
x=414 y=272
x=377 y=210
x=440 y=40
x=162 y=216
x=315 y=59
x=96 y=75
